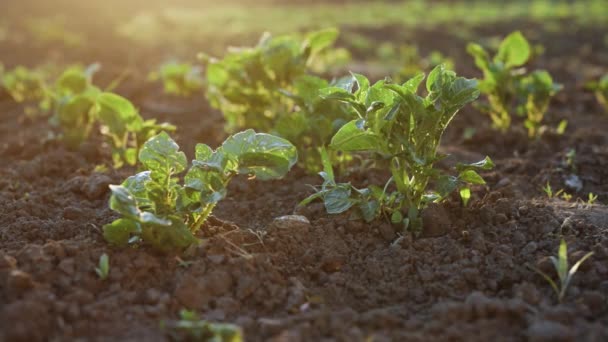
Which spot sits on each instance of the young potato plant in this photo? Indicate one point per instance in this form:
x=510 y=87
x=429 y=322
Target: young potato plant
x=269 y=88
x=163 y=212
x=181 y=79
x=401 y=131
x=507 y=86
x=79 y=106
x=25 y=85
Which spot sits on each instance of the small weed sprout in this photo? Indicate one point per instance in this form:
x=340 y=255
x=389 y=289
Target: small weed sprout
x=600 y=89
x=201 y=330
x=564 y=273
x=592 y=198
x=103 y=269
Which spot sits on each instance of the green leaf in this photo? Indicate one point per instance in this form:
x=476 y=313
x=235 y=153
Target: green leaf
x=263 y=155
x=396 y=217
x=482 y=60
x=173 y=237
x=322 y=39
x=465 y=195
x=72 y=81
x=485 y=164
x=471 y=177
x=352 y=138
x=338 y=200
x=119 y=232
x=123 y=202
x=161 y=155
x=118 y=114
x=514 y=50
x=413 y=83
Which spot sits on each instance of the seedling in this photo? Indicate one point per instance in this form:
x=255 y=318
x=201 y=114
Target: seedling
x=509 y=89
x=182 y=79
x=103 y=270
x=600 y=89
x=591 y=199
x=402 y=131
x=269 y=88
x=201 y=330
x=549 y=191
x=560 y=263
x=158 y=210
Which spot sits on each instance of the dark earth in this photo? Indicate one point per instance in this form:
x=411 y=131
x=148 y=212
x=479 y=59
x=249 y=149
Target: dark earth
x=330 y=279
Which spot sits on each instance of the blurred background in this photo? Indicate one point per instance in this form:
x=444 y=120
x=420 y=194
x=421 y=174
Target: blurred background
x=381 y=33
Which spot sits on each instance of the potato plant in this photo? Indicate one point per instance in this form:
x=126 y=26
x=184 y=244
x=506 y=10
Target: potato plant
x=507 y=86
x=269 y=88
x=24 y=84
x=164 y=212
x=79 y=107
x=401 y=131
x=181 y=79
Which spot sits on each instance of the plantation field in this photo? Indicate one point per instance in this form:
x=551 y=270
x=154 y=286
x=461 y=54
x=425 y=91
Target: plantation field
x=368 y=204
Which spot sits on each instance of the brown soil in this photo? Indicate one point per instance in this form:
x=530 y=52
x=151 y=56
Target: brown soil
x=332 y=279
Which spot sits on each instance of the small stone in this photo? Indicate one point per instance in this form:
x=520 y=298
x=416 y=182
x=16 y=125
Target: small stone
x=548 y=331
x=332 y=263
x=293 y=222
x=503 y=182
x=96 y=186
x=530 y=248
x=595 y=301
x=152 y=296
x=19 y=282
x=387 y=231
x=73 y=213
x=486 y=214
x=501 y=218
x=68 y=266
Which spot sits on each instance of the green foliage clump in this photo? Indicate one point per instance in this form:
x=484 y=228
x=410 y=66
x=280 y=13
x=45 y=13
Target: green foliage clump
x=79 y=106
x=269 y=88
x=158 y=210
x=182 y=79
x=24 y=84
x=401 y=131
x=509 y=89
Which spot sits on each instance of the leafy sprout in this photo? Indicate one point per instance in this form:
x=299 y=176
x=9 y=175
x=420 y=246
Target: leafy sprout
x=103 y=270
x=563 y=270
x=600 y=89
x=165 y=213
